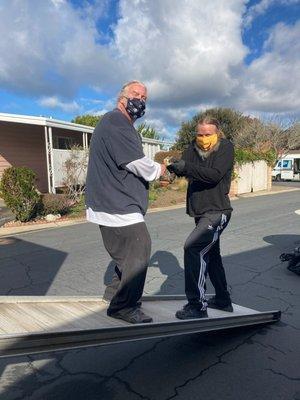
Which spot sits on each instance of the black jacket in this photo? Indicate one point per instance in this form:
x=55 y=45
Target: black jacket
x=209 y=179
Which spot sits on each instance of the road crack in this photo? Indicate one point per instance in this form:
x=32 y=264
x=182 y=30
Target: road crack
x=218 y=362
x=283 y=375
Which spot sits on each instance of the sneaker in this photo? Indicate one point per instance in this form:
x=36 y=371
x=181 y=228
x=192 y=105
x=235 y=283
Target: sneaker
x=132 y=315
x=190 y=311
x=220 y=305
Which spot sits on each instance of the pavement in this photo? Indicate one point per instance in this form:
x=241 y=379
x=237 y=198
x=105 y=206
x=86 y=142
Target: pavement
x=261 y=362
x=6 y=215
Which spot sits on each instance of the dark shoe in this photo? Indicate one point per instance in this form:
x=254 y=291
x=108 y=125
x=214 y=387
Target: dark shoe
x=107 y=301
x=219 y=305
x=132 y=315
x=190 y=311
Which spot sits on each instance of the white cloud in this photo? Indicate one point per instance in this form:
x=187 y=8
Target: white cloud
x=271 y=82
x=54 y=102
x=51 y=48
x=97 y=106
x=186 y=51
x=189 y=53
x=57 y=3
x=160 y=127
x=56 y=48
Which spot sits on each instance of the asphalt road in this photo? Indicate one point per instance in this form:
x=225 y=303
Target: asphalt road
x=5 y=214
x=287 y=183
x=243 y=364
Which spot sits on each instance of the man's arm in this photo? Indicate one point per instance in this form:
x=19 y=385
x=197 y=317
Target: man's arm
x=146 y=168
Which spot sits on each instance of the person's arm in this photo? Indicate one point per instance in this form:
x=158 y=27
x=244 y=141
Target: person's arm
x=210 y=175
x=222 y=164
x=146 y=168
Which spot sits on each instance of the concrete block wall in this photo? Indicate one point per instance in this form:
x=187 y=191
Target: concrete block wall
x=251 y=177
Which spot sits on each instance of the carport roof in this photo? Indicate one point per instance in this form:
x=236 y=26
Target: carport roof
x=43 y=121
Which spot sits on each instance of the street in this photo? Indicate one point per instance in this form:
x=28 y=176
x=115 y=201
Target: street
x=287 y=183
x=242 y=364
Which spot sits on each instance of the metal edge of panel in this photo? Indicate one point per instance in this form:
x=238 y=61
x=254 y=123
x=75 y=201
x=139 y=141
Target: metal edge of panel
x=49 y=299
x=15 y=345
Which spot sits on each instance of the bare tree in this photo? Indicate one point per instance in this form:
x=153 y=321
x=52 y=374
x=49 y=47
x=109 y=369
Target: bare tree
x=252 y=135
x=275 y=134
x=284 y=134
x=75 y=172
x=294 y=136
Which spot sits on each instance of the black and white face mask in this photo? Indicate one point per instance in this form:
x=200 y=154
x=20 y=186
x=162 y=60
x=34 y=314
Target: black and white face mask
x=135 y=108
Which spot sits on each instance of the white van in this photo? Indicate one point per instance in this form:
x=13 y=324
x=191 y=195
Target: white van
x=287 y=168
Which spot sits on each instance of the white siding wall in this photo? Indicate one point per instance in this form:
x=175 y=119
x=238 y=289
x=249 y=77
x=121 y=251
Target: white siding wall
x=150 y=146
x=59 y=159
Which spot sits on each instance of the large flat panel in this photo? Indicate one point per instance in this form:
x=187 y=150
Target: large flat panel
x=33 y=326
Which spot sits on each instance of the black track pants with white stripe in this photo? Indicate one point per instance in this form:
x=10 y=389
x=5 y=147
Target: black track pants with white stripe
x=202 y=256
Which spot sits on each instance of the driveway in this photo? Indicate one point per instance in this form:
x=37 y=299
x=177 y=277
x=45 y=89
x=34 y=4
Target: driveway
x=5 y=214
x=247 y=364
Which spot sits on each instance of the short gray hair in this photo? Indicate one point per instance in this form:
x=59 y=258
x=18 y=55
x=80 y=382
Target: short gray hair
x=125 y=86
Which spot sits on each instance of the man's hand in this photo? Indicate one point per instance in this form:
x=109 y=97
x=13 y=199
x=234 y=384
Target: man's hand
x=163 y=169
x=178 y=167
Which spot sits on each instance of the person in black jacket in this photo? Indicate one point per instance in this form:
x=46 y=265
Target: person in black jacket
x=207 y=164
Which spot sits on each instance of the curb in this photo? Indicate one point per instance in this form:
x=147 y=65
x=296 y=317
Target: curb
x=267 y=193
x=51 y=225
x=17 y=230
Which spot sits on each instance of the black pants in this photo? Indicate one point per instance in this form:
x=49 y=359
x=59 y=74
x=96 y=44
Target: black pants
x=130 y=248
x=202 y=256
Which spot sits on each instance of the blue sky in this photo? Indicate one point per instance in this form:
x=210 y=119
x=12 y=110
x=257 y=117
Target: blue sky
x=62 y=58
x=257 y=33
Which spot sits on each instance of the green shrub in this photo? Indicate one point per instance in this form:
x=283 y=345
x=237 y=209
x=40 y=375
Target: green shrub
x=55 y=204
x=19 y=193
x=242 y=156
x=78 y=209
x=231 y=121
x=155 y=185
x=154 y=191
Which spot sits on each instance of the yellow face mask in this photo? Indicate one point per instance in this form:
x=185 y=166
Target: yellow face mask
x=207 y=142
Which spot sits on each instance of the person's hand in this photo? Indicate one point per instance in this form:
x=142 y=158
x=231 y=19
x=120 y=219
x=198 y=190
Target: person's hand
x=167 y=161
x=163 y=169
x=178 y=167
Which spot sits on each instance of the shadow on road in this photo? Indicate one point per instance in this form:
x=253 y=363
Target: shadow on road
x=169 y=267
x=19 y=277
x=285 y=242
x=244 y=270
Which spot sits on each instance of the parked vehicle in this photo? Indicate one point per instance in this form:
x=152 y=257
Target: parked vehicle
x=287 y=168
